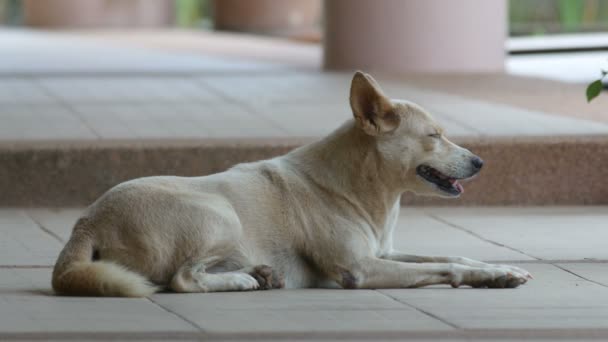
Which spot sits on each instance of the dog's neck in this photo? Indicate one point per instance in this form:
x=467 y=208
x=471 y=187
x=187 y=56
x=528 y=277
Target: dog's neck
x=348 y=163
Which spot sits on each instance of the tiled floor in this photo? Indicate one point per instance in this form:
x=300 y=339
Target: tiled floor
x=74 y=90
x=568 y=297
x=288 y=105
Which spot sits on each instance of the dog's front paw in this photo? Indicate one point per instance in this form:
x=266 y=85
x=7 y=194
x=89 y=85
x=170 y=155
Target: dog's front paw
x=503 y=278
x=516 y=270
x=267 y=277
x=496 y=277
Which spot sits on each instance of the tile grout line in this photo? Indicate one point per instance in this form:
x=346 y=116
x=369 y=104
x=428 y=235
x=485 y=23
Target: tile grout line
x=181 y=317
x=424 y=312
x=241 y=104
x=68 y=107
x=549 y=262
x=44 y=229
x=208 y=131
x=579 y=276
x=455 y=226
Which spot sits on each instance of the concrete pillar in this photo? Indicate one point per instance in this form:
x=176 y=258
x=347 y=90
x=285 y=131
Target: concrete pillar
x=415 y=35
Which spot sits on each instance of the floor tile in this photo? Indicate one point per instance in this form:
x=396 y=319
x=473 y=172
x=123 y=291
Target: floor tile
x=298 y=311
x=42 y=122
x=175 y=121
x=228 y=120
x=492 y=119
x=597 y=272
x=417 y=233
x=124 y=89
x=554 y=299
x=304 y=299
x=106 y=121
x=22 y=242
x=58 y=221
x=553 y=233
x=316 y=321
x=287 y=88
x=22 y=91
x=28 y=305
x=475 y=117
x=305 y=120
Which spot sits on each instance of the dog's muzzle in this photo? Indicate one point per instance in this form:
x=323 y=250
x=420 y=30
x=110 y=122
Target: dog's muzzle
x=447 y=184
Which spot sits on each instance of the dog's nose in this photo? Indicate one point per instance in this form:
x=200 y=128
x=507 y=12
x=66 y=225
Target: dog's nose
x=477 y=163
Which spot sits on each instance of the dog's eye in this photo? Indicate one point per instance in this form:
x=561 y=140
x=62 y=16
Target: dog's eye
x=435 y=135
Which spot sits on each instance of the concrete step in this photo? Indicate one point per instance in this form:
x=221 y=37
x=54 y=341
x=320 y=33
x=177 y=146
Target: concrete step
x=518 y=171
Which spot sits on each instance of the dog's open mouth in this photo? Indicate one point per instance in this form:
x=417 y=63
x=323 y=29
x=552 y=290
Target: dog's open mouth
x=445 y=183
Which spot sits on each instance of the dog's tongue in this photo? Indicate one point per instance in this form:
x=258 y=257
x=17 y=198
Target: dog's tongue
x=457 y=185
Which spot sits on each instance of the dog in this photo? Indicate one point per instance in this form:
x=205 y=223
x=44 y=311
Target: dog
x=320 y=216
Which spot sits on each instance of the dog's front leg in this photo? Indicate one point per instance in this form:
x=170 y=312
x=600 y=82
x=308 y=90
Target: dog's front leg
x=402 y=257
x=397 y=256
x=372 y=273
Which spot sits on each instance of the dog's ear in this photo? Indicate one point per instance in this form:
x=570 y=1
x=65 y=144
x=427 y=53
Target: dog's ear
x=373 y=110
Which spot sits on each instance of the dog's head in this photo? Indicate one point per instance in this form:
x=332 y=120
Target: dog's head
x=411 y=144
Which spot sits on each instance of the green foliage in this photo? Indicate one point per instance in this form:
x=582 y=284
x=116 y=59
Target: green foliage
x=187 y=12
x=570 y=14
x=533 y=17
x=192 y=13
x=593 y=89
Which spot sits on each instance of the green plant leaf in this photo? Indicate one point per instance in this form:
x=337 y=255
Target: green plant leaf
x=593 y=89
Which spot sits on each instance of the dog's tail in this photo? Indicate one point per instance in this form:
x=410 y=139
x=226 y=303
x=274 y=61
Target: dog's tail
x=77 y=274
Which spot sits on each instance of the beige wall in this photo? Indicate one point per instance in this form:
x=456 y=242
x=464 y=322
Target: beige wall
x=415 y=35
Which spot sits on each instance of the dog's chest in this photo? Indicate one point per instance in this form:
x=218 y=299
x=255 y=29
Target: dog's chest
x=385 y=235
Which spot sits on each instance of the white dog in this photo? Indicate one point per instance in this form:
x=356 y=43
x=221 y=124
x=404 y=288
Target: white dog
x=322 y=215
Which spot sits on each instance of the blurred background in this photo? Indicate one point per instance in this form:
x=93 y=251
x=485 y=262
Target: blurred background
x=521 y=26
x=526 y=17
x=95 y=92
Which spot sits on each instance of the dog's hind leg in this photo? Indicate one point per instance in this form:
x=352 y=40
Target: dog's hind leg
x=192 y=277
x=267 y=277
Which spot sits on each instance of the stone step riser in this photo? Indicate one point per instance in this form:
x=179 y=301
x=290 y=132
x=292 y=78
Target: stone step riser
x=534 y=171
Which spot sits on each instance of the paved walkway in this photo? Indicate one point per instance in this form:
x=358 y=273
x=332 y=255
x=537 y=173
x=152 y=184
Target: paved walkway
x=91 y=87
x=236 y=106
x=564 y=247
